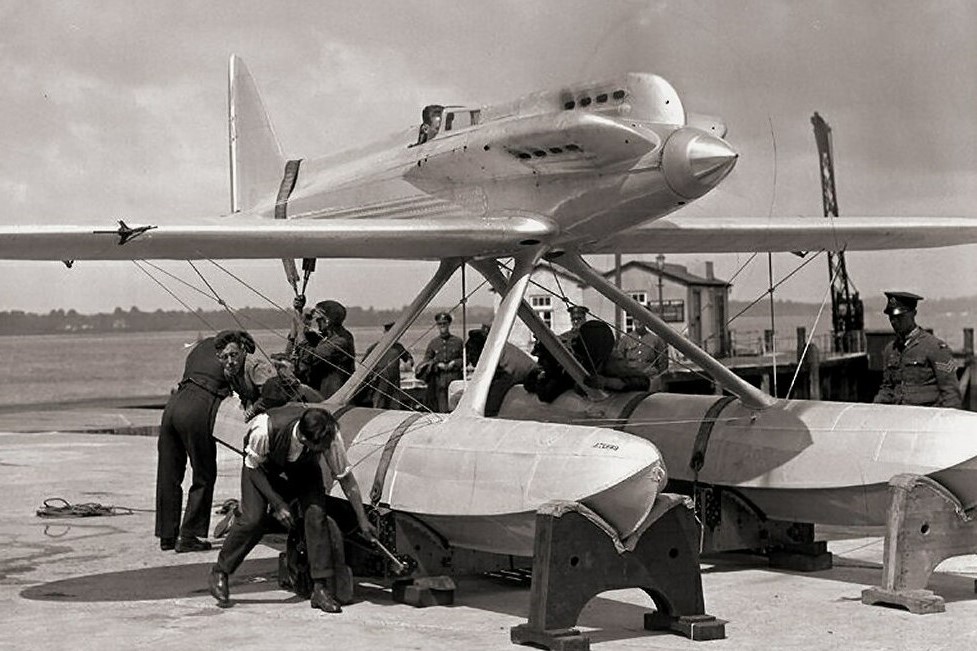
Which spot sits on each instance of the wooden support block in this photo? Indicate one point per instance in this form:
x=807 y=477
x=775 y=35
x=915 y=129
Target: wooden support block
x=564 y=639
x=694 y=627
x=918 y=602
x=425 y=591
x=925 y=525
x=731 y=522
x=575 y=559
x=806 y=557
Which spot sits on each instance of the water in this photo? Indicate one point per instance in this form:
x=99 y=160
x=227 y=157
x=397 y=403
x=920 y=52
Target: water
x=39 y=369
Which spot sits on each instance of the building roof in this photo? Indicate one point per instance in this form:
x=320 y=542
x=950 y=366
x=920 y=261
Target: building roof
x=561 y=274
x=677 y=272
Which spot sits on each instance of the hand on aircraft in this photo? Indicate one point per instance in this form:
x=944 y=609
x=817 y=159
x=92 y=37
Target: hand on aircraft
x=298 y=303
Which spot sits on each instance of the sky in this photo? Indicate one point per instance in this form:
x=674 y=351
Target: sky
x=117 y=110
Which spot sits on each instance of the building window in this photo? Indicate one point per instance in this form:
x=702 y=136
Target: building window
x=673 y=311
x=641 y=297
x=543 y=306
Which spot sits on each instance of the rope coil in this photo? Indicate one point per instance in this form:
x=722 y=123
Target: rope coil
x=66 y=509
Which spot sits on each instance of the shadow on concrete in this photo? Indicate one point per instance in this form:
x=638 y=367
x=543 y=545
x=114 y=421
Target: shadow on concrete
x=254 y=577
x=155 y=583
x=603 y=619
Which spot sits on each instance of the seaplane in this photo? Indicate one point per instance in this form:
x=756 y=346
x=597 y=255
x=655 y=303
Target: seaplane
x=592 y=168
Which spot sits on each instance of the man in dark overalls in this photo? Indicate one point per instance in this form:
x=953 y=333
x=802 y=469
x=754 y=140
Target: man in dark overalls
x=291 y=453
x=335 y=350
x=187 y=432
x=919 y=367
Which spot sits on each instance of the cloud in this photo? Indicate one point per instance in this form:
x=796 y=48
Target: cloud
x=119 y=109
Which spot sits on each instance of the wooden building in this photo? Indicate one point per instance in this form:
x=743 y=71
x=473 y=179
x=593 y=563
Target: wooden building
x=694 y=305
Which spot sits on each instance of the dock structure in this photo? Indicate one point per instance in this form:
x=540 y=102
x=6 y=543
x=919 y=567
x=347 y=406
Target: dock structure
x=850 y=376
x=103 y=582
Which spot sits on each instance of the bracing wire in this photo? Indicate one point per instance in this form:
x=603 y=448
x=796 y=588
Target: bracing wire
x=595 y=317
x=810 y=337
x=175 y=297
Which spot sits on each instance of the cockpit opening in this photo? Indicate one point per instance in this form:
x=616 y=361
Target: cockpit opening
x=430 y=122
x=436 y=118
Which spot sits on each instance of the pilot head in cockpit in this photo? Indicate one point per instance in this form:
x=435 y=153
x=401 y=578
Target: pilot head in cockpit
x=431 y=117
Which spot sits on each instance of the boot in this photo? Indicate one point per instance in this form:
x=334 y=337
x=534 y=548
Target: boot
x=217 y=584
x=191 y=544
x=323 y=599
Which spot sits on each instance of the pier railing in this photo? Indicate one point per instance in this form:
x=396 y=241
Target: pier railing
x=748 y=343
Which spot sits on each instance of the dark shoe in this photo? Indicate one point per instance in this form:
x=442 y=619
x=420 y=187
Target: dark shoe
x=324 y=601
x=166 y=544
x=217 y=583
x=191 y=544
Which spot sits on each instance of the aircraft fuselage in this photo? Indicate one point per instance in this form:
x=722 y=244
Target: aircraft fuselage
x=622 y=158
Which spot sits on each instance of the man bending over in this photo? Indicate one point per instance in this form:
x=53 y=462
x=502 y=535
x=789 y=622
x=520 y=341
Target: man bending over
x=291 y=453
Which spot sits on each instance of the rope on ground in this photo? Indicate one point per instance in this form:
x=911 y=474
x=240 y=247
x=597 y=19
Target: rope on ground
x=58 y=507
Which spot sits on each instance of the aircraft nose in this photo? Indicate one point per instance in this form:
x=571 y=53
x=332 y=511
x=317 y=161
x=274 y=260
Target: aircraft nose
x=694 y=162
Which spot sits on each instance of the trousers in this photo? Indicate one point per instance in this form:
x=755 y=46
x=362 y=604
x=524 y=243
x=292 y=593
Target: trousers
x=186 y=433
x=302 y=482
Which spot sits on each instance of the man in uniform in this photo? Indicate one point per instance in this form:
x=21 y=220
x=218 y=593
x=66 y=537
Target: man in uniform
x=646 y=351
x=442 y=363
x=919 y=368
x=291 y=453
x=578 y=316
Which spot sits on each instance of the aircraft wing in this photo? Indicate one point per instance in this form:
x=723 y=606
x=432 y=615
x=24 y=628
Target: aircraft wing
x=745 y=234
x=245 y=236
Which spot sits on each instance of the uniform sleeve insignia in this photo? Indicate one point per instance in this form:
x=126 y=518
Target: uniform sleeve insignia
x=948 y=366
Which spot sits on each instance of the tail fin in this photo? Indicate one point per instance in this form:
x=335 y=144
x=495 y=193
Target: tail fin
x=257 y=161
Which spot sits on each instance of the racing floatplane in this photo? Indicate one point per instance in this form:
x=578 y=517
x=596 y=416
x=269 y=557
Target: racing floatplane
x=595 y=168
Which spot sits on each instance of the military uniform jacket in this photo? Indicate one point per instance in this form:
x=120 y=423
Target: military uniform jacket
x=648 y=352
x=444 y=350
x=919 y=371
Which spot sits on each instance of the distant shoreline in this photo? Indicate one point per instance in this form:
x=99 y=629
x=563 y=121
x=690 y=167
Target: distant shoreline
x=61 y=322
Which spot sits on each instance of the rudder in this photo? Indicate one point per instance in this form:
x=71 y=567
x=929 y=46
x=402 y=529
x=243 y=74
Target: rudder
x=256 y=157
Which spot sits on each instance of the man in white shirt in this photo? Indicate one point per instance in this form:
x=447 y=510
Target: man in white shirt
x=291 y=453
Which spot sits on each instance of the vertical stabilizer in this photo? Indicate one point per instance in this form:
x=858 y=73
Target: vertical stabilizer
x=257 y=162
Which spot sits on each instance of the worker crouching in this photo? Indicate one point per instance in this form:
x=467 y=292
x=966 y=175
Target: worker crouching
x=291 y=453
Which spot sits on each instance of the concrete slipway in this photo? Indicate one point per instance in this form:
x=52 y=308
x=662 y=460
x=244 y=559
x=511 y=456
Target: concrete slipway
x=103 y=583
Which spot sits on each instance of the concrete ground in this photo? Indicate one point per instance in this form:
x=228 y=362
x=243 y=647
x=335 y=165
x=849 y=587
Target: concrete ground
x=103 y=583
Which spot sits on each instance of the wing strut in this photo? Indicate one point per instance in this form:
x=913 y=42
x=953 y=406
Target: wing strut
x=490 y=269
x=368 y=366
x=751 y=396
x=473 y=401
